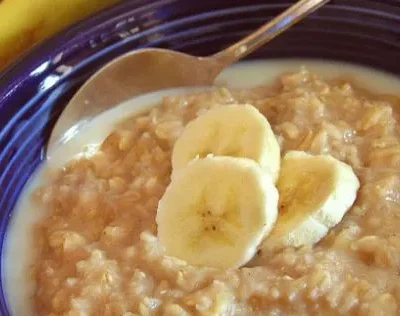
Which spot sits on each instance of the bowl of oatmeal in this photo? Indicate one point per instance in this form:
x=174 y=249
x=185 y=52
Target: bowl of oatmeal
x=273 y=192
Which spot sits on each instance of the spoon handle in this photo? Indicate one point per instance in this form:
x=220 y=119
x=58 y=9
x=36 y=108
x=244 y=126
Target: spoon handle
x=268 y=31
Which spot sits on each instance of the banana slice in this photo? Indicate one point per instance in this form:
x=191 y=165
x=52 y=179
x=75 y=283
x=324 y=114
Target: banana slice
x=233 y=130
x=315 y=192
x=216 y=212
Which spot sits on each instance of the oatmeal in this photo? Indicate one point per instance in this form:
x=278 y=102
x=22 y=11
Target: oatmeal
x=98 y=251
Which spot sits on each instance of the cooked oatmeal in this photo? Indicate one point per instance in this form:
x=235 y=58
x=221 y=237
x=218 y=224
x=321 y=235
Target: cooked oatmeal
x=98 y=253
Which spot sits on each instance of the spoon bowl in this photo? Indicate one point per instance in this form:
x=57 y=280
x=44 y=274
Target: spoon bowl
x=153 y=69
x=130 y=75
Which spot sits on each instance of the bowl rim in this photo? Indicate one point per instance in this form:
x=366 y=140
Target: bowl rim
x=69 y=38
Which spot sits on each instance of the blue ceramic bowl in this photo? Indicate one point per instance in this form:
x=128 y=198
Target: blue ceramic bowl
x=34 y=90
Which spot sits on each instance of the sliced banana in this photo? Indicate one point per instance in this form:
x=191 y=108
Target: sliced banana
x=217 y=211
x=315 y=192
x=233 y=130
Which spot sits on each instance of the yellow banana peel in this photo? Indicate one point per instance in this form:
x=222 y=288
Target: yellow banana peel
x=24 y=23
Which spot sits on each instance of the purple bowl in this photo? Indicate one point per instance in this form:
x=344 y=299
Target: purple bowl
x=35 y=89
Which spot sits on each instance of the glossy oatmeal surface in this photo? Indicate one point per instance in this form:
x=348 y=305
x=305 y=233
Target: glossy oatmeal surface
x=98 y=253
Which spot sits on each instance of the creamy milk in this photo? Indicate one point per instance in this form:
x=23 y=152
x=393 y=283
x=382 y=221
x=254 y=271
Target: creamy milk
x=18 y=243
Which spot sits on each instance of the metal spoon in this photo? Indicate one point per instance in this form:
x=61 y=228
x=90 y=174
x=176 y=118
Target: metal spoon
x=148 y=70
